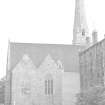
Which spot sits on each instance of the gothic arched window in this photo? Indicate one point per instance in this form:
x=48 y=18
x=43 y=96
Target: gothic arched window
x=83 y=32
x=49 y=86
x=25 y=88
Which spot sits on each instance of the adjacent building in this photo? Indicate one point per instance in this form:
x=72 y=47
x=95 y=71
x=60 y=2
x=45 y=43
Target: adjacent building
x=92 y=66
x=2 y=91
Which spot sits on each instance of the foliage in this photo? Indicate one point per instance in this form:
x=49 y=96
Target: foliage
x=93 y=96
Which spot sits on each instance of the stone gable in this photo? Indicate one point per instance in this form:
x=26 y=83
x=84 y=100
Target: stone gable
x=28 y=82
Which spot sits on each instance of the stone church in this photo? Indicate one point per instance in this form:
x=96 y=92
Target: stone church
x=46 y=74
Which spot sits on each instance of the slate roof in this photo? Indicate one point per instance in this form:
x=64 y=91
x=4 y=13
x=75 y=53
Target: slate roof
x=67 y=54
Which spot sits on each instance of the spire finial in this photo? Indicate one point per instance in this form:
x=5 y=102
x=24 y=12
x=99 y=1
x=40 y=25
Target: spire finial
x=80 y=30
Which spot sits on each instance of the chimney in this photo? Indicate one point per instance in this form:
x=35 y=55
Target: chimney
x=94 y=36
x=87 y=40
x=104 y=35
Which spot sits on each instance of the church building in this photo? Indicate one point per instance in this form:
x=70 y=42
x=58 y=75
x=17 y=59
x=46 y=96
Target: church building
x=46 y=74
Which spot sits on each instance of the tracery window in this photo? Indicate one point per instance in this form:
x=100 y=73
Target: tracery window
x=49 y=86
x=25 y=88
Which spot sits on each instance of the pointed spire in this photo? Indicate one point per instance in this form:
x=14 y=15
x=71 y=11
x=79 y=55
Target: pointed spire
x=80 y=30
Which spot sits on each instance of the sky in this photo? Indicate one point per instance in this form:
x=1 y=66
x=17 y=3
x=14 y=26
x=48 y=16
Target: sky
x=44 y=21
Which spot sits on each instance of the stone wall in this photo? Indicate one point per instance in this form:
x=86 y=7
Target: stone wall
x=27 y=84
x=92 y=66
x=70 y=87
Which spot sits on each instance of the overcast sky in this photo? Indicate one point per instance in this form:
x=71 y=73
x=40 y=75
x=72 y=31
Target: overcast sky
x=44 y=21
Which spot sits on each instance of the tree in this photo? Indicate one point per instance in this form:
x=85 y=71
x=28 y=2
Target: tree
x=93 y=96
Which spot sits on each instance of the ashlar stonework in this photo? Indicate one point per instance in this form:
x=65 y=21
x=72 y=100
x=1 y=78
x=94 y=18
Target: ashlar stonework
x=29 y=82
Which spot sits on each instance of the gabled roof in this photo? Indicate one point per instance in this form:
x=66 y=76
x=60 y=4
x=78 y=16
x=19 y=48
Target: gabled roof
x=67 y=54
x=48 y=61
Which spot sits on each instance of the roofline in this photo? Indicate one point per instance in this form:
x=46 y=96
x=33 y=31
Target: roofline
x=91 y=47
x=45 y=44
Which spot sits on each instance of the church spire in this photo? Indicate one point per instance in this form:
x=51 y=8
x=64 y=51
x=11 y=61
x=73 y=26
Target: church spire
x=80 y=30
